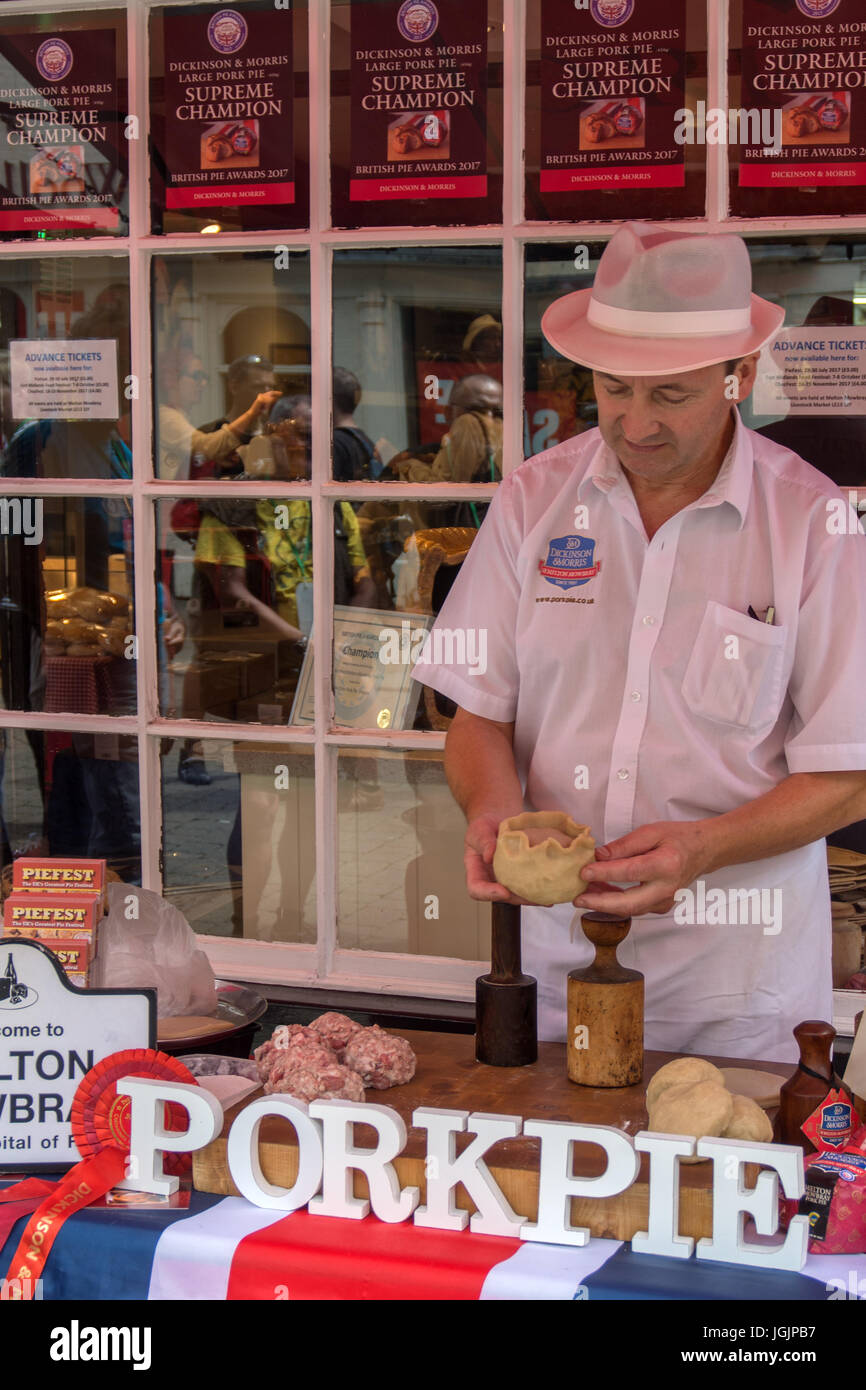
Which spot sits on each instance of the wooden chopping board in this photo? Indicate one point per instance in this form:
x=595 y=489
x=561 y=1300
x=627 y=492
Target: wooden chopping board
x=448 y=1077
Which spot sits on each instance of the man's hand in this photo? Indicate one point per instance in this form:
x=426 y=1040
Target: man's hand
x=480 y=845
x=659 y=858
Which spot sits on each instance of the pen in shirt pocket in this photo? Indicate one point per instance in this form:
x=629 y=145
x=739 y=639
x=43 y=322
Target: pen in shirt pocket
x=769 y=617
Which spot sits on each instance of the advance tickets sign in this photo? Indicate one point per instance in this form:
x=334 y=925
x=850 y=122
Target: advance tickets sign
x=813 y=371
x=51 y=1034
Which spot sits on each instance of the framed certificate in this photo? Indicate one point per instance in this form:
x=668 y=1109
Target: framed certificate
x=374 y=652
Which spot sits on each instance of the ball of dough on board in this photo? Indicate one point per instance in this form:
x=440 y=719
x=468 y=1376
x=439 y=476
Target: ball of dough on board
x=684 y=1071
x=749 y=1121
x=703 y=1108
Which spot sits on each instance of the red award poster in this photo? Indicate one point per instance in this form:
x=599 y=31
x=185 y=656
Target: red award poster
x=418 y=100
x=612 y=81
x=62 y=143
x=228 y=107
x=802 y=122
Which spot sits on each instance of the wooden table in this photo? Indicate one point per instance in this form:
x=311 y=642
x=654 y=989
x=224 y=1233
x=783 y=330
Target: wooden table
x=448 y=1077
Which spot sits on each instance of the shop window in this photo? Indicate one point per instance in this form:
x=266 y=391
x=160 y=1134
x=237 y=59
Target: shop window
x=239 y=843
x=65 y=383
x=70 y=795
x=235 y=573
x=229 y=117
x=230 y=333
x=67 y=632
x=418 y=342
x=811 y=390
x=400 y=859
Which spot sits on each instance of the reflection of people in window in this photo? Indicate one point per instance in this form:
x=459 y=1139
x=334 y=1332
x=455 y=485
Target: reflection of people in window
x=483 y=342
x=279 y=529
x=247 y=377
x=182 y=379
x=355 y=455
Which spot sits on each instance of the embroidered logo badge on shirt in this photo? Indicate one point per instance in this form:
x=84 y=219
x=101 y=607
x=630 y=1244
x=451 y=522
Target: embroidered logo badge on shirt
x=569 y=562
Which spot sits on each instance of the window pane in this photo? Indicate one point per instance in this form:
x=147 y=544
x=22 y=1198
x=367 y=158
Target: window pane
x=235 y=602
x=70 y=796
x=558 y=395
x=418 y=357
x=239 y=841
x=64 y=144
x=66 y=618
x=229 y=117
x=416 y=119
x=64 y=363
x=377 y=639
x=821 y=281
x=401 y=881
x=231 y=331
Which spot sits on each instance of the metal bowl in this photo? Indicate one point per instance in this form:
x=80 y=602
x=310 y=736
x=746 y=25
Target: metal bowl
x=237 y=1005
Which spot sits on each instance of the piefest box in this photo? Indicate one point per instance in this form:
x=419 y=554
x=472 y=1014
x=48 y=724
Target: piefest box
x=73 y=939
x=58 y=876
x=65 y=916
x=74 y=956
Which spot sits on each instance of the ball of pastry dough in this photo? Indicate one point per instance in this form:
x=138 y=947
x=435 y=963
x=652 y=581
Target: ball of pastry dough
x=701 y=1108
x=684 y=1071
x=749 y=1121
x=548 y=872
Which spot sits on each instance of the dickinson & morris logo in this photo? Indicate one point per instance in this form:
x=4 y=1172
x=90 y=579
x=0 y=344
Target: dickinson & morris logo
x=817 y=9
x=14 y=995
x=611 y=13
x=227 y=31
x=417 y=20
x=569 y=562
x=54 y=59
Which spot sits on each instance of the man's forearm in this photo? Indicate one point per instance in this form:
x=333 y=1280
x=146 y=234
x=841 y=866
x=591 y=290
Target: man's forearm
x=804 y=807
x=479 y=765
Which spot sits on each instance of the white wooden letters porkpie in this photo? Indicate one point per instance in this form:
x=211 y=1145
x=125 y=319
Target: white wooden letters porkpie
x=328 y=1156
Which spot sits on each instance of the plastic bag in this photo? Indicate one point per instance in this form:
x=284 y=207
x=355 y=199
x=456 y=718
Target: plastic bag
x=157 y=949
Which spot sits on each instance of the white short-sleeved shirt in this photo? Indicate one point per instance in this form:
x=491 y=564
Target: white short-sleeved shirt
x=641 y=689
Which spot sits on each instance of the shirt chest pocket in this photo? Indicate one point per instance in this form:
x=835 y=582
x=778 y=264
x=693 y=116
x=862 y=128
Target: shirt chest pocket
x=735 y=671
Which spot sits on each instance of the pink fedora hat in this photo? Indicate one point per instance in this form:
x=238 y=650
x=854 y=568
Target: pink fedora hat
x=663 y=301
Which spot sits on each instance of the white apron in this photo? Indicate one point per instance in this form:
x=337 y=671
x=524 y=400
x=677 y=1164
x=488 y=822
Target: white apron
x=727 y=990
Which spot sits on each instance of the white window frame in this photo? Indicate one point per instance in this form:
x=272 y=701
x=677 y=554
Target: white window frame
x=326 y=964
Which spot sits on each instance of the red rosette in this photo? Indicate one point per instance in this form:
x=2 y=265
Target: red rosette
x=100 y=1116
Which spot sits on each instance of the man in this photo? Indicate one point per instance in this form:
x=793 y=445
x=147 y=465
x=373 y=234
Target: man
x=247 y=377
x=355 y=455
x=676 y=652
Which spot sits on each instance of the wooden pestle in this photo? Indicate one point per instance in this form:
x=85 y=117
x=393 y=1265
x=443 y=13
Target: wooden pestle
x=604 y=1043
x=803 y=1092
x=506 y=1023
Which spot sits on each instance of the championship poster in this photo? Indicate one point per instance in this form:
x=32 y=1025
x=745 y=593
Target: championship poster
x=612 y=90
x=62 y=144
x=418 y=100
x=228 y=107
x=803 y=103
